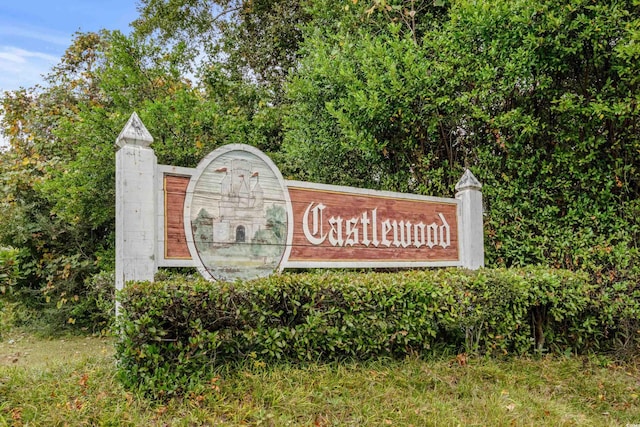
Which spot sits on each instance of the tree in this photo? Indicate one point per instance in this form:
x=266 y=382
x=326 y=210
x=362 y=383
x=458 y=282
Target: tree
x=558 y=145
x=537 y=98
x=255 y=40
x=52 y=253
x=376 y=98
x=58 y=184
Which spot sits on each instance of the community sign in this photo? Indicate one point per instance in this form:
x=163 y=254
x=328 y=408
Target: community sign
x=236 y=217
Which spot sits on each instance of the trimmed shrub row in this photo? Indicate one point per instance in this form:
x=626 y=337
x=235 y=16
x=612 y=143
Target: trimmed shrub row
x=174 y=333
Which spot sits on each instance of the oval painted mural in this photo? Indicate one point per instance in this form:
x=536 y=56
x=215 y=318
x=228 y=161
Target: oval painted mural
x=236 y=214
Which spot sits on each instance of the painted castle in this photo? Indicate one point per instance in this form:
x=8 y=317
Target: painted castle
x=241 y=205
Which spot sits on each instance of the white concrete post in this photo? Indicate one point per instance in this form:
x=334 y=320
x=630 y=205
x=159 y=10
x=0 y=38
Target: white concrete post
x=136 y=241
x=472 y=244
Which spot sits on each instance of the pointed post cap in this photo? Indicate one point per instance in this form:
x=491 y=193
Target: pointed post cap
x=134 y=133
x=468 y=182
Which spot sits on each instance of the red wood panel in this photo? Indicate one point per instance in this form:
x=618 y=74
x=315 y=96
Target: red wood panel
x=346 y=227
x=175 y=241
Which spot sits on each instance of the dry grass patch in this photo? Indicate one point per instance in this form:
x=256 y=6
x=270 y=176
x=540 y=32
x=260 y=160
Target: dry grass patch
x=21 y=349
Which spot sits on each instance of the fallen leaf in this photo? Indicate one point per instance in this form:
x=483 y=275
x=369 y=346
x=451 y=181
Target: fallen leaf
x=84 y=379
x=462 y=359
x=16 y=414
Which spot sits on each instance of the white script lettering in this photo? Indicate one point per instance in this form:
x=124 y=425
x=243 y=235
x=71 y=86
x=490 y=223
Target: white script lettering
x=347 y=232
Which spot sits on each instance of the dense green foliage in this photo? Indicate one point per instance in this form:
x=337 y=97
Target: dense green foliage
x=176 y=332
x=9 y=271
x=58 y=180
x=539 y=99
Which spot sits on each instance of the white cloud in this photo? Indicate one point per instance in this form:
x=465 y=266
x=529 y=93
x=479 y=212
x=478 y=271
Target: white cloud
x=21 y=56
x=46 y=36
x=23 y=68
x=27 y=53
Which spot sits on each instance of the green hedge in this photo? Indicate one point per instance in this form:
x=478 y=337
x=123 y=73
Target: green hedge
x=175 y=332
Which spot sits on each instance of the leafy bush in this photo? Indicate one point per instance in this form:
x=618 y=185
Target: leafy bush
x=53 y=309
x=612 y=318
x=174 y=333
x=9 y=272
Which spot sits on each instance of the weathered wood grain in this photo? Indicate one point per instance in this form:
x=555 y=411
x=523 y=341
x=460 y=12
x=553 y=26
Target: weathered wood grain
x=343 y=207
x=175 y=190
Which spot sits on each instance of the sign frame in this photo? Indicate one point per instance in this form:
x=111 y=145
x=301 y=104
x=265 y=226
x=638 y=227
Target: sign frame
x=142 y=228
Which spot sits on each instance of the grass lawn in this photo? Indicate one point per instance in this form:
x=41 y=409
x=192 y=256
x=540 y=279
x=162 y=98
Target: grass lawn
x=71 y=382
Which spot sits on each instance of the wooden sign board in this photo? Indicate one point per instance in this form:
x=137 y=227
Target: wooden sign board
x=240 y=220
x=175 y=191
x=348 y=227
x=235 y=217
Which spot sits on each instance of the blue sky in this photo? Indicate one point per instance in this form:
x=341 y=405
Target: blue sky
x=35 y=33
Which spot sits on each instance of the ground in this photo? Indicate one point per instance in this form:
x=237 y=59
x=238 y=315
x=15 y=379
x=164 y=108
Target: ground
x=25 y=350
x=73 y=381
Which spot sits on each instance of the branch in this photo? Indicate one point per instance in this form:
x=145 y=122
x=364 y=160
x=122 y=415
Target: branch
x=225 y=12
